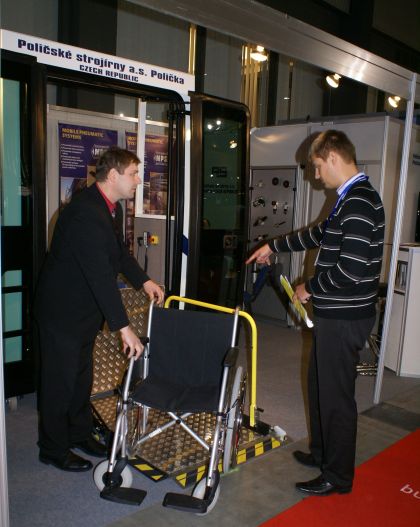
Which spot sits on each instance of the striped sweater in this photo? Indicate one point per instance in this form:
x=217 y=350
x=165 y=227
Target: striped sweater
x=349 y=260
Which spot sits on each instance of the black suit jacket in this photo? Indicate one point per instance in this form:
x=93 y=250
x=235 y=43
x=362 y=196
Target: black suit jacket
x=78 y=288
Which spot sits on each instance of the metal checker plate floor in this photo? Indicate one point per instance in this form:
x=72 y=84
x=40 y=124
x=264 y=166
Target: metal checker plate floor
x=174 y=451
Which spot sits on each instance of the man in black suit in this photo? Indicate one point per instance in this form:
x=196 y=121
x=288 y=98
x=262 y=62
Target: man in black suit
x=77 y=291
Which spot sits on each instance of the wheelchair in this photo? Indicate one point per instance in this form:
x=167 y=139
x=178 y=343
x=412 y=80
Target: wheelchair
x=189 y=367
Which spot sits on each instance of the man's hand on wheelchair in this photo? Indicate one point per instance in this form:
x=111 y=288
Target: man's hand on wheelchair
x=132 y=346
x=154 y=291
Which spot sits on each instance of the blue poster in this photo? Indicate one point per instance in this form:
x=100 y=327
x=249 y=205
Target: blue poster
x=155 y=176
x=79 y=149
x=131 y=146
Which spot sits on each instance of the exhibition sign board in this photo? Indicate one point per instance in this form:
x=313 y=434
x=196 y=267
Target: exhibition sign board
x=87 y=61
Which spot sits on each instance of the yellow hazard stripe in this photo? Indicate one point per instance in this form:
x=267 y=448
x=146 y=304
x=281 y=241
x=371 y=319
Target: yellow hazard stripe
x=275 y=442
x=194 y=476
x=200 y=472
x=243 y=455
x=182 y=479
x=143 y=467
x=149 y=471
x=259 y=449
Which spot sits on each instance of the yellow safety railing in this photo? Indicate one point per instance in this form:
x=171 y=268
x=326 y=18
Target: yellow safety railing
x=246 y=316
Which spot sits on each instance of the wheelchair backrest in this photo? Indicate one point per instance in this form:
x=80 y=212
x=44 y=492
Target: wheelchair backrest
x=188 y=347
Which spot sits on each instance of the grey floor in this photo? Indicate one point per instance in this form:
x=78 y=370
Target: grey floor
x=42 y=496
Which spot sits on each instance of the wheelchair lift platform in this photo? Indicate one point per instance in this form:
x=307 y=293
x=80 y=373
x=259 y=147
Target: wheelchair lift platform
x=174 y=453
x=171 y=452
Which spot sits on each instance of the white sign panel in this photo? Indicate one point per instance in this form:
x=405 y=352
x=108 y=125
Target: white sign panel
x=93 y=62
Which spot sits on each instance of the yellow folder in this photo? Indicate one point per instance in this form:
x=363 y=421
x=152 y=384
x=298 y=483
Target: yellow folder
x=297 y=304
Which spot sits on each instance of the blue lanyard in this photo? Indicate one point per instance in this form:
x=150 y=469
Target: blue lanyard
x=341 y=197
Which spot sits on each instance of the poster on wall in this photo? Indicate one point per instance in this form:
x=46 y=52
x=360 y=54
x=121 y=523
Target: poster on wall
x=155 y=186
x=79 y=150
x=155 y=177
x=131 y=146
x=131 y=141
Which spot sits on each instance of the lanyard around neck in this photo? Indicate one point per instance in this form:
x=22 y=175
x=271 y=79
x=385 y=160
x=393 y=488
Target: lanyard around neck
x=341 y=197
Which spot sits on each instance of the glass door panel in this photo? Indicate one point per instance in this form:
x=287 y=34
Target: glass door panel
x=12 y=316
x=16 y=203
x=222 y=229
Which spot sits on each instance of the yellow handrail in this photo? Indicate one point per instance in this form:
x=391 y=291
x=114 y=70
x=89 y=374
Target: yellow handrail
x=247 y=316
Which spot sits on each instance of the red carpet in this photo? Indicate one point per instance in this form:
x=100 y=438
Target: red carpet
x=386 y=493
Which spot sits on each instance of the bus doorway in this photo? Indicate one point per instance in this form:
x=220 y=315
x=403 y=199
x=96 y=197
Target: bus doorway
x=77 y=137
x=44 y=168
x=191 y=209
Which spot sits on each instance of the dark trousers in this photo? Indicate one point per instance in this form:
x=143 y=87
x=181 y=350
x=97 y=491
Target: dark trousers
x=331 y=391
x=65 y=388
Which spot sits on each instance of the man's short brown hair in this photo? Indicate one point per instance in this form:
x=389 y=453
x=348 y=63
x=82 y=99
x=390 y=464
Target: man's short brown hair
x=114 y=157
x=333 y=141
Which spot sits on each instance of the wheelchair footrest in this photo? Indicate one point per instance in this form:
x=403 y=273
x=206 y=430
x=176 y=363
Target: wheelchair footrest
x=184 y=502
x=124 y=495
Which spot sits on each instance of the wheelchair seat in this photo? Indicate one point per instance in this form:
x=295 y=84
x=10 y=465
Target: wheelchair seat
x=186 y=353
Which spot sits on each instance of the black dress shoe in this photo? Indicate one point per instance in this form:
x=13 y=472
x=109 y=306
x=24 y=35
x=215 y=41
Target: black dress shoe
x=321 y=487
x=71 y=462
x=91 y=447
x=305 y=459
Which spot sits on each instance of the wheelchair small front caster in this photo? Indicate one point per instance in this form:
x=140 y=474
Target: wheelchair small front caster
x=101 y=475
x=199 y=492
x=117 y=488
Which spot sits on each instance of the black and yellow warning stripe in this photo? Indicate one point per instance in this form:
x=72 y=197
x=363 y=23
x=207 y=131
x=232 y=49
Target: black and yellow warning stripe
x=244 y=454
x=147 y=469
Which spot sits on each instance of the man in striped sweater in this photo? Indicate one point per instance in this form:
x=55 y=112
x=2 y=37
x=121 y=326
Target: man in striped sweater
x=343 y=291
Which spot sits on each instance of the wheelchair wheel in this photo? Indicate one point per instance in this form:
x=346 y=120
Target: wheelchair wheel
x=234 y=421
x=199 y=491
x=100 y=471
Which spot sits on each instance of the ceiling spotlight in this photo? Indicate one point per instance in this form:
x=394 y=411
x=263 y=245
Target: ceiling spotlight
x=210 y=126
x=394 y=101
x=259 y=54
x=233 y=143
x=218 y=122
x=333 y=80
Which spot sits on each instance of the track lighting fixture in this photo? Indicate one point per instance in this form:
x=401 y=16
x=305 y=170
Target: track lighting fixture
x=333 y=80
x=394 y=101
x=259 y=54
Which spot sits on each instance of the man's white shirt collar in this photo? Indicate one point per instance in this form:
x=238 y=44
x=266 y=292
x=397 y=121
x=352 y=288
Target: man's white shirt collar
x=349 y=182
